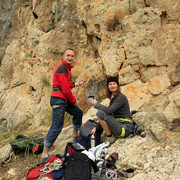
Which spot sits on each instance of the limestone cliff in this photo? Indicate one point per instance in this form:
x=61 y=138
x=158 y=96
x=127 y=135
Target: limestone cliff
x=137 y=40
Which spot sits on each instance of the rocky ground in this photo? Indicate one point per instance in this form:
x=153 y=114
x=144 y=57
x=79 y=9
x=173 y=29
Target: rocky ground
x=156 y=156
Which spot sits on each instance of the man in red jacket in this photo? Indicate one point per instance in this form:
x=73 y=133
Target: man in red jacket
x=62 y=100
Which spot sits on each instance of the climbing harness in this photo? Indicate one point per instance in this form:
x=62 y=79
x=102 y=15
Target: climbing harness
x=124 y=120
x=57 y=89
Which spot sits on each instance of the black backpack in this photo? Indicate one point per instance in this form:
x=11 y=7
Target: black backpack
x=73 y=147
x=79 y=167
x=135 y=129
x=85 y=134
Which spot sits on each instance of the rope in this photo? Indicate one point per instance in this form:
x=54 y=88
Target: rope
x=86 y=93
x=77 y=92
x=75 y=97
x=21 y=143
x=10 y=156
x=24 y=141
x=37 y=157
x=36 y=140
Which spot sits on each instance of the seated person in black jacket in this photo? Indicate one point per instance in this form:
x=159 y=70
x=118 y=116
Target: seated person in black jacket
x=115 y=119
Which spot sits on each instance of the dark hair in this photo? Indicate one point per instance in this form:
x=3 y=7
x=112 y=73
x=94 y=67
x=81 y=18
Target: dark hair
x=69 y=49
x=109 y=93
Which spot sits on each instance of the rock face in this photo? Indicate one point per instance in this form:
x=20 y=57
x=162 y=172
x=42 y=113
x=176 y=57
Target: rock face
x=136 y=40
x=6 y=14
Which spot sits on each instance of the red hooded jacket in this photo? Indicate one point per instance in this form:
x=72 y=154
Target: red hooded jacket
x=62 y=80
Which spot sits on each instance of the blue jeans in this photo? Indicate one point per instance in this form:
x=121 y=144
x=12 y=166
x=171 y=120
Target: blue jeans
x=60 y=106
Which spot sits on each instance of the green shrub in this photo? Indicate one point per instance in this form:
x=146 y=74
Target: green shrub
x=2 y=53
x=37 y=41
x=46 y=80
x=14 y=130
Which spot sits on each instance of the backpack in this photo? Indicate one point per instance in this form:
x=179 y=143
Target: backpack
x=134 y=128
x=73 y=147
x=136 y=131
x=85 y=134
x=79 y=167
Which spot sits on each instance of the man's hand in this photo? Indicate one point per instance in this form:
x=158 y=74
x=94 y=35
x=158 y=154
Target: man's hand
x=78 y=83
x=77 y=103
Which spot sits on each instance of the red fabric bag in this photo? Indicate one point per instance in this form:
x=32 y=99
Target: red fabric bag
x=35 y=172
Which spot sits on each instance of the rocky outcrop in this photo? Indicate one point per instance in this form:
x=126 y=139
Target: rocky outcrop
x=153 y=157
x=137 y=40
x=6 y=14
x=156 y=156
